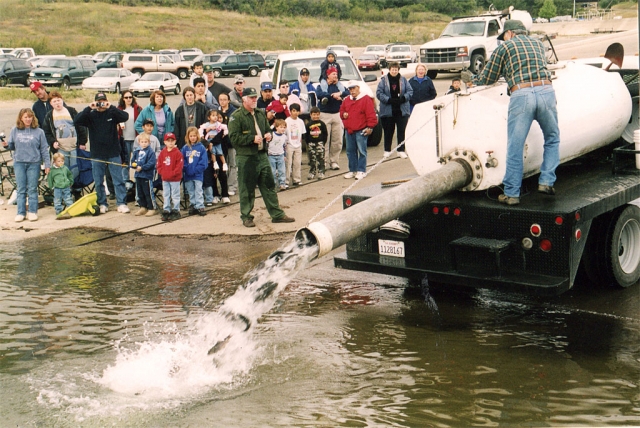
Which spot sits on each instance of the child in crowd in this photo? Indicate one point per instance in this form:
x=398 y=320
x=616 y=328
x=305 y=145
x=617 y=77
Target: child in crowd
x=279 y=107
x=60 y=179
x=198 y=71
x=316 y=138
x=170 y=163
x=208 y=132
x=217 y=146
x=276 y=152
x=195 y=162
x=455 y=86
x=155 y=145
x=330 y=61
x=295 y=132
x=144 y=163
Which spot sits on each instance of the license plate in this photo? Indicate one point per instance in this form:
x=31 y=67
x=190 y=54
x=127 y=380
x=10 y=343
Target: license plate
x=391 y=248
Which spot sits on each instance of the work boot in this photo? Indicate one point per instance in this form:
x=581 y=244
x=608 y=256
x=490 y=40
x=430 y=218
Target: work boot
x=175 y=215
x=283 y=219
x=504 y=199
x=202 y=212
x=547 y=190
x=193 y=210
x=248 y=223
x=166 y=215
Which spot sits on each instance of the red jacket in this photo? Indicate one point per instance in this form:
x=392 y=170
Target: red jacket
x=170 y=164
x=279 y=109
x=361 y=113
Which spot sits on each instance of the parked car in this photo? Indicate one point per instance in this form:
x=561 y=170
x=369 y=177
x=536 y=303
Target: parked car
x=100 y=56
x=209 y=58
x=63 y=72
x=110 y=61
x=377 y=50
x=23 y=53
x=5 y=50
x=144 y=63
x=247 y=64
x=188 y=56
x=169 y=51
x=14 y=70
x=339 y=48
x=153 y=81
x=190 y=50
x=368 y=62
x=110 y=80
x=7 y=56
x=402 y=54
x=270 y=60
x=36 y=61
x=224 y=52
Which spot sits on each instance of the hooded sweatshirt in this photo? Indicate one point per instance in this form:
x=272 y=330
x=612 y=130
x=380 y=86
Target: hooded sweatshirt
x=170 y=164
x=195 y=162
x=145 y=159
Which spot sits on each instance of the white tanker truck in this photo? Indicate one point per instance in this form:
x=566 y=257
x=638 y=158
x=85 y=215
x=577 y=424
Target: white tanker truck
x=447 y=224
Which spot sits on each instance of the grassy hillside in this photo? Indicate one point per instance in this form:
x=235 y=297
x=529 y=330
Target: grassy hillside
x=75 y=28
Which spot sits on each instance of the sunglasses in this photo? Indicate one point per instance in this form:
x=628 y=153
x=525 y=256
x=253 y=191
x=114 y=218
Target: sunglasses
x=127 y=98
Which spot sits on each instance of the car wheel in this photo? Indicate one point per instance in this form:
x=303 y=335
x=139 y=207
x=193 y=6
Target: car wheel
x=66 y=84
x=217 y=73
x=376 y=136
x=431 y=74
x=183 y=74
x=477 y=63
x=177 y=89
x=3 y=81
x=622 y=249
x=161 y=88
x=253 y=72
x=117 y=88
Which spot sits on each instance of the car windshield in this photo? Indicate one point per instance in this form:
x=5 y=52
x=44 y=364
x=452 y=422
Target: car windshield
x=367 y=57
x=152 y=77
x=457 y=29
x=271 y=56
x=374 y=48
x=55 y=63
x=291 y=69
x=400 y=48
x=106 y=73
x=338 y=48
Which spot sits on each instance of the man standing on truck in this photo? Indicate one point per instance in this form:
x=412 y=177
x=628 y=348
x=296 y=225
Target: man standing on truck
x=521 y=60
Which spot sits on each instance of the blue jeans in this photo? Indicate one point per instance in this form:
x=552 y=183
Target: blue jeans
x=61 y=196
x=196 y=197
x=171 y=195
x=357 y=151
x=99 y=169
x=278 y=168
x=526 y=105
x=27 y=177
x=208 y=194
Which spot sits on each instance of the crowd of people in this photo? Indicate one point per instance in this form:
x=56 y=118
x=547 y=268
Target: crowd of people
x=220 y=141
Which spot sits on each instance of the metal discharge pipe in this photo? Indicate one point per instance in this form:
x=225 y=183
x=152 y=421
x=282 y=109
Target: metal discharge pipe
x=362 y=217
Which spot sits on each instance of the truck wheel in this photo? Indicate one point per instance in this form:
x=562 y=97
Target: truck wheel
x=161 y=88
x=477 y=63
x=3 y=81
x=66 y=84
x=183 y=74
x=376 y=136
x=253 y=72
x=592 y=263
x=177 y=89
x=138 y=71
x=431 y=74
x=622 y=247
x=217 y=73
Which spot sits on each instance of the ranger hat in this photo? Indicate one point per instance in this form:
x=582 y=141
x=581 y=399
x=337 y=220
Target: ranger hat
x=249 y=92
x=208 y=68
x=512 y=25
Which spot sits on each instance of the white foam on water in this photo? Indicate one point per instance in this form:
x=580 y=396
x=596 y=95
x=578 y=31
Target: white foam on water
x=177 y=364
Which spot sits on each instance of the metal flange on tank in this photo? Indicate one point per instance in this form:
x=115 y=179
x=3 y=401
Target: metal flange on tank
x=474 y=162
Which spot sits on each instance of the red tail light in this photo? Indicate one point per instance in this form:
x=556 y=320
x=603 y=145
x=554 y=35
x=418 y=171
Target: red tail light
x=535 y=229
x=578 y=234
x=348 y=202
x=445 y=210
x=457 y=211
x=435 y=210
x=559 y=220
x=545 y=245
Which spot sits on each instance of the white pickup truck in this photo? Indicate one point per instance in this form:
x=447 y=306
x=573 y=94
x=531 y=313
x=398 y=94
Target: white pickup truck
x=467 y=42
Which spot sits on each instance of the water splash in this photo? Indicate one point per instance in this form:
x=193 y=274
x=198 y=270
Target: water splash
x=217 y=347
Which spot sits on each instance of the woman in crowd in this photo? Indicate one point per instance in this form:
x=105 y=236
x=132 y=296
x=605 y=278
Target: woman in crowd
x=422 y=85
x=30 y=150
x=127 y=130
x=159 y=111
x=394 y=93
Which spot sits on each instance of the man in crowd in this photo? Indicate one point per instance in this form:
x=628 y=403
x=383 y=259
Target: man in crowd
x=250 y=134
x=359 y=117
x=43 y=105
x=521 y=60
x=102 y=119
x=215 y=88
x=203 y=95
x=235 y=95
x=330 y=115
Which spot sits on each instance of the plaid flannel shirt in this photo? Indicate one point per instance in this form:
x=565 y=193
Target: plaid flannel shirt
x=520 y=60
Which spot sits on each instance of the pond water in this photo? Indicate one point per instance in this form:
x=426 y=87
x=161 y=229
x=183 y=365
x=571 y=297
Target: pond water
x=92 y=336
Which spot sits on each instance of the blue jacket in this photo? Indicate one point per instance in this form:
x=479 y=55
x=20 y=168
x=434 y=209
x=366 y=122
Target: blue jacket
x=195 y=162
x=422 y=92
x=383 y=93
x=145 y=159
x=333 y=106
x=148 y=113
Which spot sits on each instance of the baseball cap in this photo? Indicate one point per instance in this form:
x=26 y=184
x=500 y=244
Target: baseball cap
x=249 y=92
x=208 y=68
x=266 y=86
x=239 y=79
x=169 y=136
x=100 y=96
x=147 y=121
x=34 y=86
x=304 y=71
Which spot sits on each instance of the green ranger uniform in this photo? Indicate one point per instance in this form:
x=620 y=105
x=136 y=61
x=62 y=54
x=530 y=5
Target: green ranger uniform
x=253 y=164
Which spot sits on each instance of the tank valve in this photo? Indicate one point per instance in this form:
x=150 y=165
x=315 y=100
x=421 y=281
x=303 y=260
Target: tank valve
x=491 y=161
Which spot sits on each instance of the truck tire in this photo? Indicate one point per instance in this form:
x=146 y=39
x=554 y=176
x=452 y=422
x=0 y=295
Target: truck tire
x=161 y=88
x=431 y=74
x=3 y=81
x=138 y=71
x=477 y=63
x=253 y=72
x=592 y=263
x=183 y=73
x=66 y=84
x=217 y=73
x=376 y=136
x=622 y=247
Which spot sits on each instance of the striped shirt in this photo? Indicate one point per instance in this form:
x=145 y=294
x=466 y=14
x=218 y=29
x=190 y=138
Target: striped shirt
x=520 y=59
